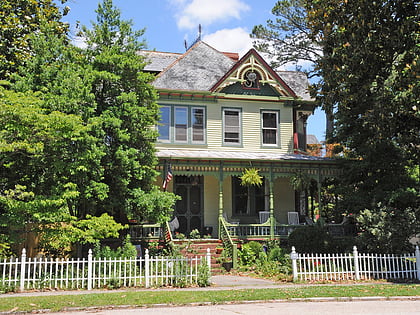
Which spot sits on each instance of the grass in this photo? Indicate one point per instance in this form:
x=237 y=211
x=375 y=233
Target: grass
x=180 y=297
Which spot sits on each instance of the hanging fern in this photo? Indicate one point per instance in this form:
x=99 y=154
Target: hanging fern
x=250 y=177
x=300 y=181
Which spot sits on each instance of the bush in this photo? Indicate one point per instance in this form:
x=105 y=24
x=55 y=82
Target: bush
x=127 y=250
x=311 y=239
x=203 y=279
x=250 y=252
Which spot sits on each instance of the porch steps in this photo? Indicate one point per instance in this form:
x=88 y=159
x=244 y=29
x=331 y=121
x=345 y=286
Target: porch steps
x=191 y=248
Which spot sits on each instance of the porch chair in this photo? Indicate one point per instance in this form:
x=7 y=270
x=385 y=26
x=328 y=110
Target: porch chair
x=264 y=216
x=293 y=218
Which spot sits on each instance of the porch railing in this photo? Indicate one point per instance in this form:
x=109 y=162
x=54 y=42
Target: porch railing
x=145 y=231
x=245 y=231
x=228 y=244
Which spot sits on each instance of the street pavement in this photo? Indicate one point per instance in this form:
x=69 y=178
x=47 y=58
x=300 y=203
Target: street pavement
x=364 y=307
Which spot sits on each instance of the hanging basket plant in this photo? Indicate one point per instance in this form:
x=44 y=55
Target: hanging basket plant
x=250 y=177
x=300 y=181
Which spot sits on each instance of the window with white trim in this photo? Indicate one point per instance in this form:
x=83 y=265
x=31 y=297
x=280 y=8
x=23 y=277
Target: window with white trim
x=197 y=124
x=270 y=128
x=231 y=126
x=164 y=126
x=182 y=124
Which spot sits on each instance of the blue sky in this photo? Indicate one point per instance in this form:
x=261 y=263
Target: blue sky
x=226 y=25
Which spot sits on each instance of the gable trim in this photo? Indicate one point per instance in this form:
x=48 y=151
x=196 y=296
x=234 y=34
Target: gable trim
x=262 y=64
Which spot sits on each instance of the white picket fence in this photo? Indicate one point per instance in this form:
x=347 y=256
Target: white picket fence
x=148 y=271
x=355 y=266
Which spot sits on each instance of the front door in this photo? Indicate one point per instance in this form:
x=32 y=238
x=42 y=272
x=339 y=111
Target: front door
x=189 y=210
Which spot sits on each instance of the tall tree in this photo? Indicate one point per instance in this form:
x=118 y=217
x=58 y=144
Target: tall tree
x=126 y=105
x=18 y=20
x=287 y=38
x=370 y=67
x=288 y=41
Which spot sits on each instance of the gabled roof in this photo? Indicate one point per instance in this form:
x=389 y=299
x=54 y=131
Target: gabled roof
x=158 y=61
x=298 y=82
x=253 y=60
x=197 y=70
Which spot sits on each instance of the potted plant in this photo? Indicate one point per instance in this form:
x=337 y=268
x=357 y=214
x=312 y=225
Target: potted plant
x=249 y=178
x=226 y=261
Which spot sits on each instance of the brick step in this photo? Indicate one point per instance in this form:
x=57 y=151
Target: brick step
x=199 y=248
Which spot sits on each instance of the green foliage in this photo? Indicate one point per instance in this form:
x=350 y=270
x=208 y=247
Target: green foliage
x=268 y=261
x=250 y=177
x=250 y=252
x=195 y=234
x=204 y=275
x=18 y=20
x=127 y=250
x=300 y=181
x=286 y=38
x=387 y=229
x=153 y=206
x=369 y=71
x=78 y=136
x=310 y=239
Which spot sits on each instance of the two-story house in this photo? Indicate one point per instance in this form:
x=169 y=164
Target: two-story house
x=221 y=115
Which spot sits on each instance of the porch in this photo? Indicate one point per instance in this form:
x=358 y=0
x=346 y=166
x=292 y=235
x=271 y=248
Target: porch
x=235 y=231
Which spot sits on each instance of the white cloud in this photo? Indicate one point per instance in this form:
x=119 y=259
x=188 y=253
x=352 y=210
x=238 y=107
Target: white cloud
x=79 y=41
x=194 y=12
x=230 y=40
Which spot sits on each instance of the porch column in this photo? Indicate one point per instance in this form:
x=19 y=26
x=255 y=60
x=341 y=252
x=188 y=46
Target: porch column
x=220 y=194
x=272 y=218
x=319 y=192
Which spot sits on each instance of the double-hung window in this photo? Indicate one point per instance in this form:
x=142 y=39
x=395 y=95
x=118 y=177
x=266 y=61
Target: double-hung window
x=270 y=128
x=231 y=126
x=197 y=124
x=164 y=126
x=182 y=124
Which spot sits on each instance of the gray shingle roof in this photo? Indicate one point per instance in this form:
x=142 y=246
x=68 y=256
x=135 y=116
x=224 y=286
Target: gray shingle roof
x=234 y=155
x=298 y=82
x=158 y=61
x=197 y=70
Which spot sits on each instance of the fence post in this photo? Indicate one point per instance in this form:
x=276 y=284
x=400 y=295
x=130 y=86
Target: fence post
x=294 y=257
x=356 y=263
x=418 y=262
x=208 y=258
x=147 y=268
x=89 y=279
x=22 y=270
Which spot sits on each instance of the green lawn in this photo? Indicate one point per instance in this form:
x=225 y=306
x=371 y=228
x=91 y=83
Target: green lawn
x=180 y=297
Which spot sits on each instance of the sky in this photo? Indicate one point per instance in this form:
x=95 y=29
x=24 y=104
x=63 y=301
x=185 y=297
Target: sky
x=225 y=25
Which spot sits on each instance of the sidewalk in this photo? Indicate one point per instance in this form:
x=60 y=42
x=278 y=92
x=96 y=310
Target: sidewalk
x=218 y=282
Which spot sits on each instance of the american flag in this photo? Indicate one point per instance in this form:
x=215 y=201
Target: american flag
x=168 y=177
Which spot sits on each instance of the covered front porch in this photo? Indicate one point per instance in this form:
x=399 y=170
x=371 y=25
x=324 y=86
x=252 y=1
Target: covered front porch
x=217 y=205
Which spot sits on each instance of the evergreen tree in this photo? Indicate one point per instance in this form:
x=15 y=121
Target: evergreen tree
x=370 y=67
x=18 y=20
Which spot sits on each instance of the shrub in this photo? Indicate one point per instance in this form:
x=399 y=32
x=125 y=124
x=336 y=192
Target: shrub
x=250 y=252
x=311 y=239
x=203 y=279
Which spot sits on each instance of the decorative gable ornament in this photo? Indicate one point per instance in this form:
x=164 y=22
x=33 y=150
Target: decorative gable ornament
x=251 y=72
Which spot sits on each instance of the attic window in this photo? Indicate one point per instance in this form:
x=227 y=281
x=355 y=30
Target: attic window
x=251 y=80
